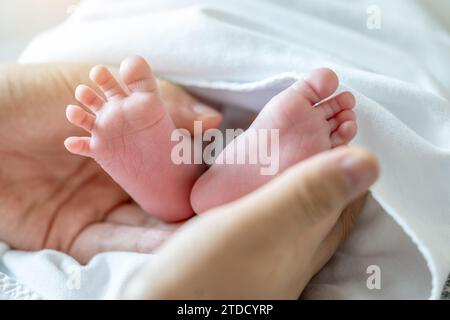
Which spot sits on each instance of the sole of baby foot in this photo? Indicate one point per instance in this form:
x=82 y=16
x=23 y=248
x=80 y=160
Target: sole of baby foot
x=131 y=138
x=307 y=122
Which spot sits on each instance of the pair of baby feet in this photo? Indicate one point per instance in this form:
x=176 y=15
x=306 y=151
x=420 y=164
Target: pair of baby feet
x=131 y=138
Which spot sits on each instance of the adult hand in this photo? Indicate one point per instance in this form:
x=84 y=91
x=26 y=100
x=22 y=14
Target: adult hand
x=52 y=199
x=267 y=245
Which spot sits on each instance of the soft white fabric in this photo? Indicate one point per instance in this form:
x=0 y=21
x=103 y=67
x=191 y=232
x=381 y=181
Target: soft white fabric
x=241 y=53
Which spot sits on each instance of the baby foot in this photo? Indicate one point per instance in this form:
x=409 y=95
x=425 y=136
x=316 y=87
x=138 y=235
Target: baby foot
x=306 y=126
x=130 y=139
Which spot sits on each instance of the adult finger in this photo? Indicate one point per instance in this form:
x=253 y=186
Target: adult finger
x=184 y=109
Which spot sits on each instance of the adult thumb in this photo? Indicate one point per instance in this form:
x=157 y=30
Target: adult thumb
x=315 y=192
x=267 y=244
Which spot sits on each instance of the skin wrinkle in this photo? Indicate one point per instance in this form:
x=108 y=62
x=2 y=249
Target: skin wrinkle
x=312 y=95
x=123 y=151
x=88 y=124
x=143 y=129
x=101 y=216
x=69 y=87
x=109 y=85
x=138 y=162
x=92 y=101
x=286 y=116
x=11 y=89
x=58 y=190
x=28 y=209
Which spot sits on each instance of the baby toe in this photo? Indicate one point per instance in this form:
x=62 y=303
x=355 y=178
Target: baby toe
x=137 y=75
x=103 y=77
x=80 y=117
x=344 y=133
x=318 y=85
x=89 y=98
x=341 y=117
x=343 y=101
x=78 y=145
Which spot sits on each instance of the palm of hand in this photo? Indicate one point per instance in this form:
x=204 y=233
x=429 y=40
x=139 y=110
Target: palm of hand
x=50 y=198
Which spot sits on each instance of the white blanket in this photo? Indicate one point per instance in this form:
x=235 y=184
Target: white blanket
x=394 y=57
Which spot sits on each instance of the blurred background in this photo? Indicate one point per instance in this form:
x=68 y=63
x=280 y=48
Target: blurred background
x=20 y=20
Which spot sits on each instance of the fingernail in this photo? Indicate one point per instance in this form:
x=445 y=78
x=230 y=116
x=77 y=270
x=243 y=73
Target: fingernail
x=360 y=171
x=204 y=111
